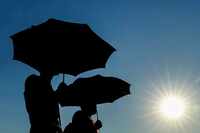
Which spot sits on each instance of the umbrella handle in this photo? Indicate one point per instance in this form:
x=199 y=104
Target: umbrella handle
x=59 y=122
x=63 y=77
x=97 y=115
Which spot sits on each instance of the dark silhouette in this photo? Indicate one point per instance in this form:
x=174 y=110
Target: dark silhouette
x=61 y=47
x=91 y=91
x=87 y=92
x=57 y=46
x=90 y=109
x=81 y=123
x=41 y=104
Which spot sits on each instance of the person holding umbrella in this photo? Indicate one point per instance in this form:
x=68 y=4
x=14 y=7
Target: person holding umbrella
x=41 y=104
x=87 y=93
x=58 y=46
x=81 y=122
x=91 y=109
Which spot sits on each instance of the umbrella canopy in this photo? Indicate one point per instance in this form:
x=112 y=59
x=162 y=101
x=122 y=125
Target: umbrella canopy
x=96 y=90
x=61 y=47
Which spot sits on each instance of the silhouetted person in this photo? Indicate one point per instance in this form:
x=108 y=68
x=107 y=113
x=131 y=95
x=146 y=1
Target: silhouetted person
x=88 y=109
x=41 y=104
x=81 y=123
x=91 y=109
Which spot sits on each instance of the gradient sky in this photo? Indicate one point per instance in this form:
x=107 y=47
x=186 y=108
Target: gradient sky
x=157 y=46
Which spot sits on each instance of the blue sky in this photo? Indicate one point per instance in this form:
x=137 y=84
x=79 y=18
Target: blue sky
x=157 y=42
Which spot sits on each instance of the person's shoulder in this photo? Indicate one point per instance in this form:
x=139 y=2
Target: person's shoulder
x=32 y=79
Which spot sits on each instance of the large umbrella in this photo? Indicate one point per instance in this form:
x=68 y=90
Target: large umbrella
x=61 y=47
x=96 y=90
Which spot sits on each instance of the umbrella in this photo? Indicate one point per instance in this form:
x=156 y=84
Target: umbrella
x=61 y=47
x=97 y=89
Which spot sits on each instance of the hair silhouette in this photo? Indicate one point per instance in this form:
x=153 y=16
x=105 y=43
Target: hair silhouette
x=80 y=123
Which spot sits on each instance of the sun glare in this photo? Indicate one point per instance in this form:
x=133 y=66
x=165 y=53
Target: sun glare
x=172 y=107
x=171 y=103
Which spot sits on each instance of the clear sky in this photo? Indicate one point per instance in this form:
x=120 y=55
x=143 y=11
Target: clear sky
x=157 y=46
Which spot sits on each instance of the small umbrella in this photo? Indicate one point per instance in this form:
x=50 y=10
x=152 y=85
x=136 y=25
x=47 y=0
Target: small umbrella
x=97 y=89
x=61 y=47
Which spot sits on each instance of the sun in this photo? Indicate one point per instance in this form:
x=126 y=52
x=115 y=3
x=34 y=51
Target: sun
x=171 y=102
x=172 y=107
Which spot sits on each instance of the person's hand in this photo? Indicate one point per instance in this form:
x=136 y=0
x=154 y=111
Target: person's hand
x=98 y=124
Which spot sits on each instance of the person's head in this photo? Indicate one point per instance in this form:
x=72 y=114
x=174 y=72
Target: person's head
x=31 y=80
x=89 y=109
x=79 y=117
